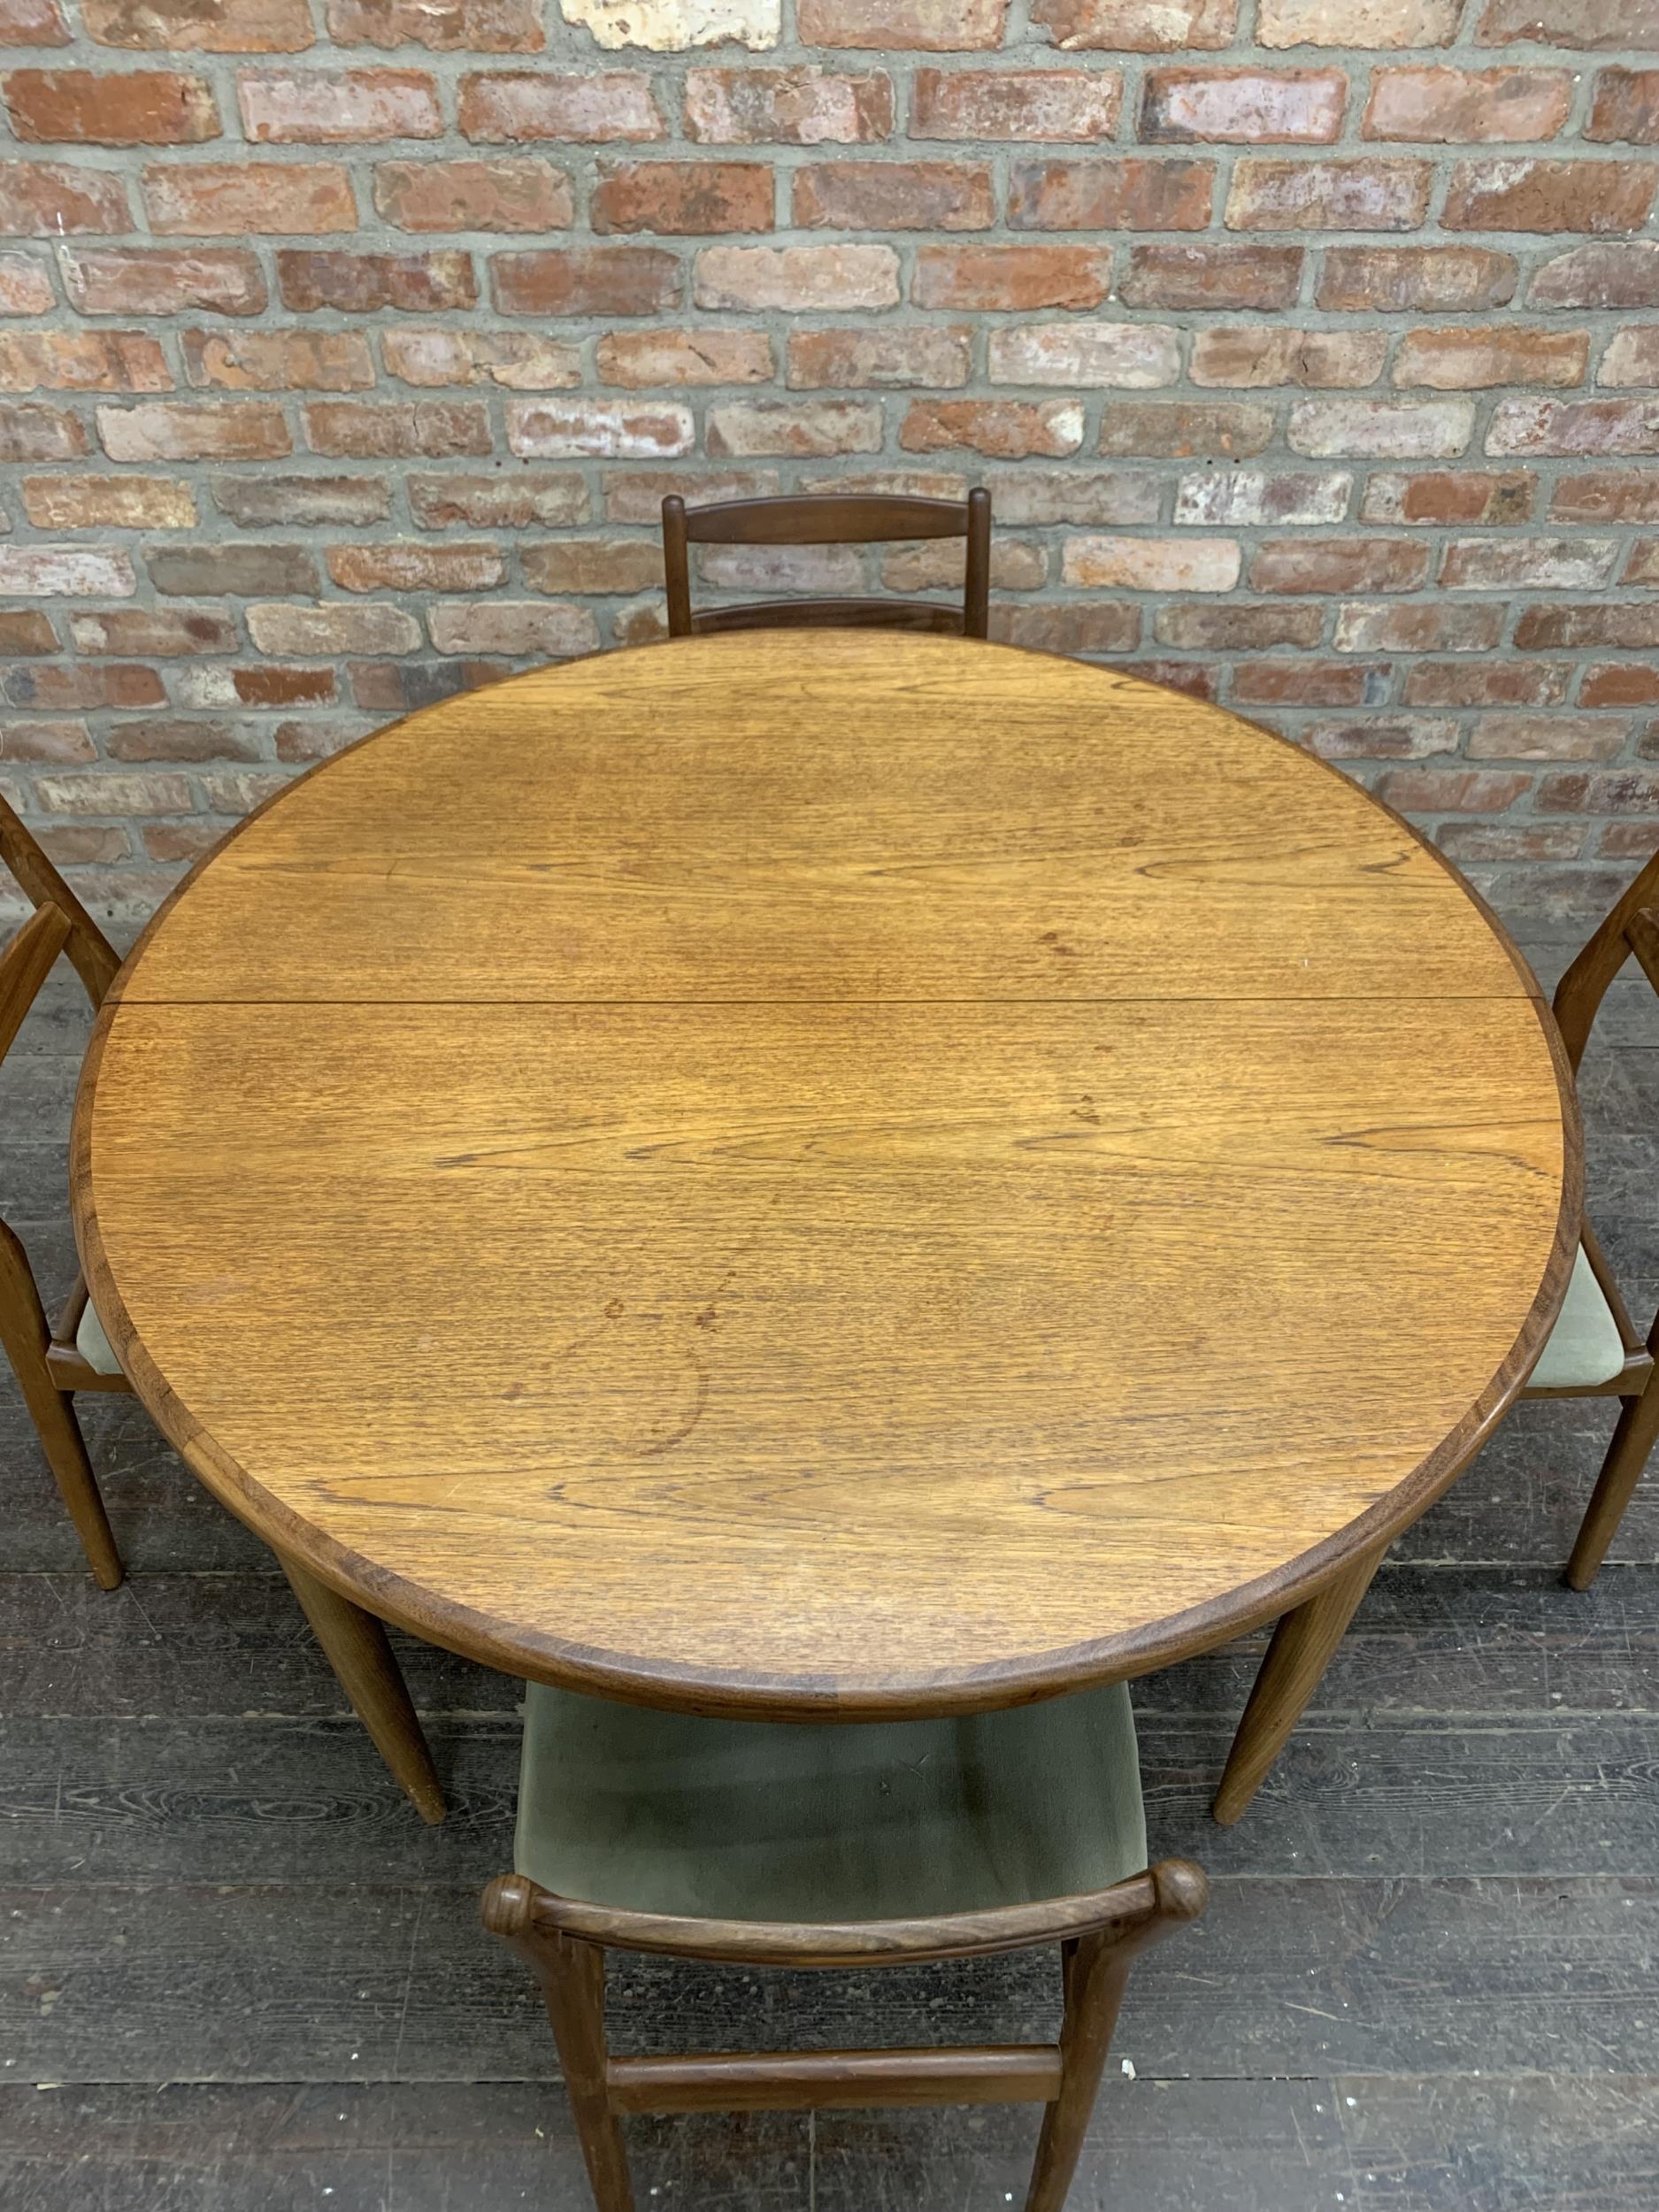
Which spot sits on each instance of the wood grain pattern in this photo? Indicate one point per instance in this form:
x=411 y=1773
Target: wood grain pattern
x=826 y=1175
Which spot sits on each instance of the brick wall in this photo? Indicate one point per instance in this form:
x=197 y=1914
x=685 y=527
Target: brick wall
x=1309 y=348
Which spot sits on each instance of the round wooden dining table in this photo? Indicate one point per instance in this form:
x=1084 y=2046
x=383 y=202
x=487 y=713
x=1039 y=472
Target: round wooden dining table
x=826 y=1176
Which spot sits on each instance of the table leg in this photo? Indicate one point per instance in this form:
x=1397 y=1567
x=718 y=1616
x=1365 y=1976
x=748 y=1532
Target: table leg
x=1297 y=1658
x=361 y=1656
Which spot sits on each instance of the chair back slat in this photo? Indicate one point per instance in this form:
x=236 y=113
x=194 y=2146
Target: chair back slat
x=1580 y=993
x=94 y=958
x=25 y=964
x=829 y=519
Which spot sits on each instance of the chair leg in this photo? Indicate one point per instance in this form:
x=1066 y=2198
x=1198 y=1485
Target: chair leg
x=357 y=1649
x=573 y=1978
x=25 y=1334
x=1621 y=1471
x=1297 y=1658
x=1095 y=1972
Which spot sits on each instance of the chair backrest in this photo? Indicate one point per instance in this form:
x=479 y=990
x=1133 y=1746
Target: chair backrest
x=94 y=958
x=1631 y=928
x=830 y=518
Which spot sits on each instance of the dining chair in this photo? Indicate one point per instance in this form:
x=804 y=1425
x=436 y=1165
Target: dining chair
x=1594 y=1350
x=52 y=1363
x=850 y=1845
x=829 y=519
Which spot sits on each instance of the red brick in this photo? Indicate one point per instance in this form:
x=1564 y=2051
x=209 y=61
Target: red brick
x=261 y=686
x=568 y=430
x=108 y=503
x=1337 y=429
x=1581 y=23
x=83 y=361
x=33 y=23
x=1600 y=276
x=523 y=361
x=58 y=741
x=801 y=106
x=140 y=108
x=931 y=27
x=941 y=565
x=1004 y=429
x=474 y=26
x=1138 y=26
x=1185 y=429
x=795 y=277
x=1375 y=23
x=1574 y=425
x=852 y=360
x=117 y=684
x=193 y=430
x=1643 y=564
x=1465 y=791
x=582 y=566
x=1438 y=279
x=539 y=628
x=1626 y=109
x=1620 y=684
x=366 y=283
x=1628 y=840
x=505 y=107
x=185 y=571
x=1632 y=357
x=162 y=633
x=1187 y=563
x=1607 y=495
x=324 y=631
x=1204 y=275
x=1254 y=355
x=284 y=107
x=1442 y=627
x=523 y=501
x=1594 y=791
x=1473 y=360
x=1130 y=357
x=131 y=280
x=249 y=198
x=257 y=502
x=1230 y=627
x=66 y=571
x=48 y=199
x=25 y=287
x=32 y=432
x=1459 y=107
x=1242 y=106
x=1631 y=628
x=894 y=483
x=752 y=429
x=506 y=195
x=25 y=630
x=1124 y=193
x=683 y=198
x=642 y=358
x=1242 y=498
x=1301 y=683
x=586 y=281
x=770 y=571
x=1077 y=628
x=179 y=737
x=1575 y=564
x=1332 y=566
x=317 y=737
x=1012 y=278
x=1043 y=496
x=360 y=430
x=414 y=566
x=1546 y=737
x=1328 y=194
x=277 y=360
x=1467 y=841
x=181 y=26
x=123 y=792
x=894 y=195
x=637 y=495
x=1528 y=194
x=85 y=845
x=1192 y=677
x=1487 y=683
x=1441 y=495
x=1054 y=104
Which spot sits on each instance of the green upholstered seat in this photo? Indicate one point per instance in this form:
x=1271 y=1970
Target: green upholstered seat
x=94 y=1345
x=760 y=1820
x=1585 y=1346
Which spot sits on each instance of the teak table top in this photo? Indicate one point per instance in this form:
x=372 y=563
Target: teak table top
x=825 y=1172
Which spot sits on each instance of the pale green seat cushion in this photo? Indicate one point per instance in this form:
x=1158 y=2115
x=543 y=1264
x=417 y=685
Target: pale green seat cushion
x=761 y=1820
x=94 y=1345
x=1585 y=1346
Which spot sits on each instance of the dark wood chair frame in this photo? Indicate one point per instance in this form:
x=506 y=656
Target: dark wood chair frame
x=1631 y=928
x=1099 y=1934
x=51 y=1368
x=829 y=519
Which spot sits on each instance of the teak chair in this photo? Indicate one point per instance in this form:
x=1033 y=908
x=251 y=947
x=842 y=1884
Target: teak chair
x=833 y=1845
x=829 y=519
x=1594 y=1350
x=51 y=1364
